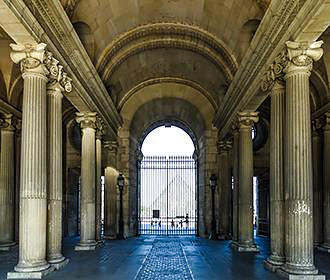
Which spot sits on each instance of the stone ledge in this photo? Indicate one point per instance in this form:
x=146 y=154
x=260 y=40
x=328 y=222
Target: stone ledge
x=59 y=265
x=30 y=275
x=291 y=276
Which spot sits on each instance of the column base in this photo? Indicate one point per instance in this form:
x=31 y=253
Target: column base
x=324 y=248
x=100 y=243
x=110 y=237
x=313 y=275
x=88 y=246
x=273 y=263
x=30 y=274
x=244 y=248
x=223 y=237
x=60 y=263
x=7 y=246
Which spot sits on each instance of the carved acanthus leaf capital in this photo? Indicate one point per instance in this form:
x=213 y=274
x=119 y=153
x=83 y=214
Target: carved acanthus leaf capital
x=317 y=125
x=7 y=122
x=247 y=119
x=275 y=71
x=326 y=126
x=302 y=54
x=99 y=128
x=224 y=146
x=86 y=120
x=30 y=56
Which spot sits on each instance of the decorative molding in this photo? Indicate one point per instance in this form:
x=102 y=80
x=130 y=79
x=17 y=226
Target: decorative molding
x=112 y=146
x=317 y=126
x=176 y=80
x=224 y=146
x=7 y=122
x=166 y=34
x=326 y=126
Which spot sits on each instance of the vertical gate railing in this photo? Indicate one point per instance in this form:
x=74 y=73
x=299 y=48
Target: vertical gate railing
x=168 y=193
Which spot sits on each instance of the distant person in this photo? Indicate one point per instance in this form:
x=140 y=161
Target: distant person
x=172 y=223
x=187 y=220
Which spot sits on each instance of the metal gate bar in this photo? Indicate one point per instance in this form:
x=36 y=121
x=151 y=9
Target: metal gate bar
x=168 y=195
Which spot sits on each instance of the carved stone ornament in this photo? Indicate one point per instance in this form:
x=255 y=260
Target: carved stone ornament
x=326 y=126
x=100 y=128
x=302 y=54
x=7 y=122
x=224 y=146
x=247 y=119
x=30 y=57
x=316 y=125
x=112 y=146
x=86 y=120
x=275 y=71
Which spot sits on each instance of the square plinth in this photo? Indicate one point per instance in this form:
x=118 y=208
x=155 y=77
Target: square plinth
x=290 y=276
x=85 y=247
x=242 y=249
x=30 y=275
x=60 y=265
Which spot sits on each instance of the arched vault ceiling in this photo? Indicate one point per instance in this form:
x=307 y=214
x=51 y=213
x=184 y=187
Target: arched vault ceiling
x=161 y=63
x=172 y=91
x=212 y=21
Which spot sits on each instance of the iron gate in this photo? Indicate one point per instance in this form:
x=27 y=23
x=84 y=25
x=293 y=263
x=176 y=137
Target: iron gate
x=168 y=195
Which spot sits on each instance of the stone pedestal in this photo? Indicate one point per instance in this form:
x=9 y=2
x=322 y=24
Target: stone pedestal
x=235 y=189
x=110 y=193
x=326 y=185
x=277 y=257
x=33 y=190
x=7 y=184
x=317 y=182
x=245 y=188
x=298 y=164
x=55 y=181
x=225 y=190
x=87 y=190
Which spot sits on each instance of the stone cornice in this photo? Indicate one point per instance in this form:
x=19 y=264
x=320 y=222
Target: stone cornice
x=166 y=34
x=176 y=80
x=47 y=22
x=282 y=20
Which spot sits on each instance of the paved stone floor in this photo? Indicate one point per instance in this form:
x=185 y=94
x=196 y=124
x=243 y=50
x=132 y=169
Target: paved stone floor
x=165 y=258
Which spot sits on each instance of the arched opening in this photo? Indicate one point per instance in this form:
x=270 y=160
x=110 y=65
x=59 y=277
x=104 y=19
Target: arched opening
x=167 y=176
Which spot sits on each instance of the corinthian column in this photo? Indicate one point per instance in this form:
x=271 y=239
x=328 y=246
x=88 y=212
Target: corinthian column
x=87 y=189
x=326 y=184
x=298 y=162
x=33 y=190
x=99 y=134
x=245 y=195
x=110 y=192
x=317 y=182
x=55 y=90
x=235 y=189
x=18 y=135
x=276 y=155
x=7 y=183
x=225 y=186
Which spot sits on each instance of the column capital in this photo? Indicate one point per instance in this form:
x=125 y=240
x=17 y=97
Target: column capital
x=31 y=58
x=275 y=73
x=247 y=119
x=326 y=126
x=86 y=120
x=59 y=80
x=112 y=146
x=301 y=56
x=224 y=146
x=7 y=122
x=316 y=126
x=18 y=127
x=99 y=128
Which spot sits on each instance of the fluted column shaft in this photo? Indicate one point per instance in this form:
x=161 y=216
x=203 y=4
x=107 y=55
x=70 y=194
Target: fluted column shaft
x=298 y=165
x=7 y=184
x=245 y=198
x=55 y=192
x=18 y=136
x=326 y=182
x=276 y=155
x=33 y=189
x=110 y=193
x=317 y=182
x=98 y=185
x=87 y=188
x=225 y=187
x=236 y=183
